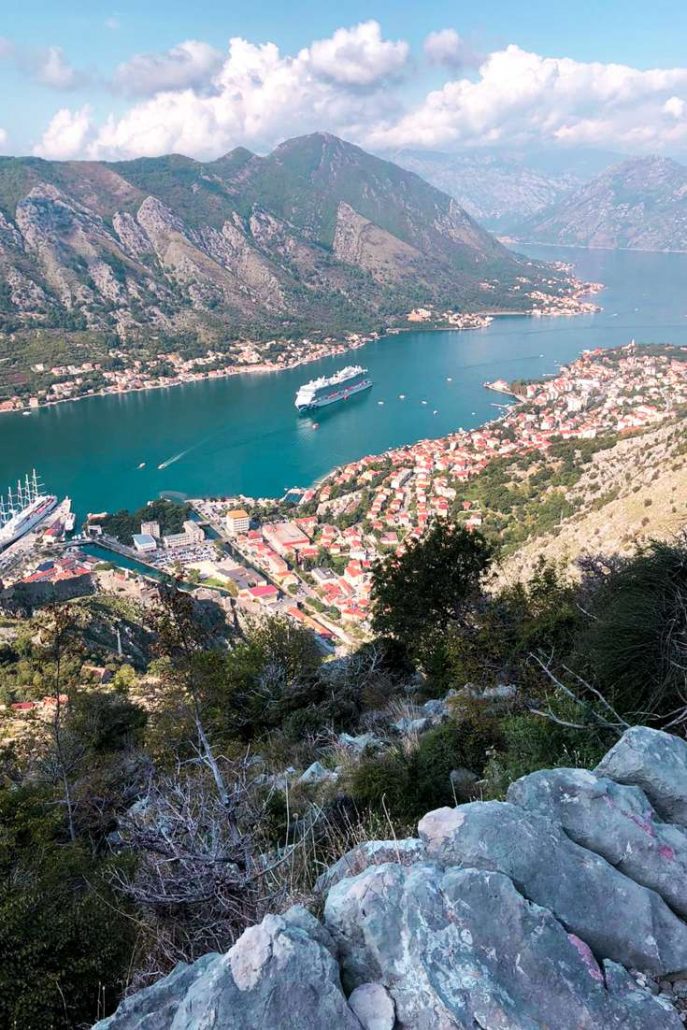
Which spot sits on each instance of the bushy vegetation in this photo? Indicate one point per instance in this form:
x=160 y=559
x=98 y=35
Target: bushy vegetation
x=636 y=636
x=122 y=525
x=152 y=819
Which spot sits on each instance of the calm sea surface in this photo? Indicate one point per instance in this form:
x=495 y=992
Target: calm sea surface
x=242 y=435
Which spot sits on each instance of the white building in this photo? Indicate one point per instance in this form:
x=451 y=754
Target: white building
x=237 y=521
x=144 y=543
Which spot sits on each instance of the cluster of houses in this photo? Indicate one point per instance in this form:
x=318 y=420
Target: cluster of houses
x=70 y=566
x=602 y=392
x=164 y=370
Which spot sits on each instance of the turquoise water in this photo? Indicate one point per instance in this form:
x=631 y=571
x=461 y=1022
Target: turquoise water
x=242 y=435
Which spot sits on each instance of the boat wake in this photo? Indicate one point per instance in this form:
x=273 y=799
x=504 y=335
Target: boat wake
x=175 y=457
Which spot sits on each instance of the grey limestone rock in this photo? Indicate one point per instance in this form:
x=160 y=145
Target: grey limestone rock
x=615 y=821
x=276 y=977
x=616 y=917
x=371 y=852
x=463 y=948
x=316 y=773
x=374 y=1007
x=656 y=762
x=154 y=1007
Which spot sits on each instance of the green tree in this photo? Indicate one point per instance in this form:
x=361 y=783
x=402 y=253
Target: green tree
x=273 y=673
x=418 y=594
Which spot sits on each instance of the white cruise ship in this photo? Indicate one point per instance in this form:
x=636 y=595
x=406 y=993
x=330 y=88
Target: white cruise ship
x=328 y=390
x=22 y=510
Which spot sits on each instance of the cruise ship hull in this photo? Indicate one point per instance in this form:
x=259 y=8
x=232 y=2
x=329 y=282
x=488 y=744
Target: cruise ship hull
x=26 y=521
x=341 y=394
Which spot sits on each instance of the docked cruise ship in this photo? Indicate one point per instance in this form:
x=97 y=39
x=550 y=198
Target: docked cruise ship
x=23 y=509
x=328 y=390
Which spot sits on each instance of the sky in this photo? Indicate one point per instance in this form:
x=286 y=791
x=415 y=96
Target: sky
x=125 y=79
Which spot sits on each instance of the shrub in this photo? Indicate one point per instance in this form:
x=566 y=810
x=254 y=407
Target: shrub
x=531 y=742
x=412 y=784
x=539 y=616
x=65 y=940
x=634 y=645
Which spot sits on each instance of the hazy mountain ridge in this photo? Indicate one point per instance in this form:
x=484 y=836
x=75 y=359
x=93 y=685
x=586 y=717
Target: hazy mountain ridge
x=317 y=234
x=500 y=187
x=640 y=204
x=496 y=191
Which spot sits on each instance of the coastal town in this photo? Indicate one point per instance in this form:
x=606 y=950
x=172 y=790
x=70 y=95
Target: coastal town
x=43 y=385
x=310 y=557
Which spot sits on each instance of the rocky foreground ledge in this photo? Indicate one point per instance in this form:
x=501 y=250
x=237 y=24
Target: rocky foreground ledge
x=562 y=908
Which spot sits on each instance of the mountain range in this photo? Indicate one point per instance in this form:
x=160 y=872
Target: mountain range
x=317 y=235
x=501 y=187
x=640 y=204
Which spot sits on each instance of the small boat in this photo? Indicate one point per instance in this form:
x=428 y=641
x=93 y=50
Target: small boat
x=401 y=396
x=435 y=412
x=380 y=403
x=142 y=465
x=424 y=402
x=315 y=425
x=449 y=379
x=26 y=412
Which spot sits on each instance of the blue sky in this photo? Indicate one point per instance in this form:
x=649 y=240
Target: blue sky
x=122 y=78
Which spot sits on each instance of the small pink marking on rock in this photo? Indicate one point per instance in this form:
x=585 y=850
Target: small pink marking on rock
x=645 y=824
x=666 y=852
x=585 y=953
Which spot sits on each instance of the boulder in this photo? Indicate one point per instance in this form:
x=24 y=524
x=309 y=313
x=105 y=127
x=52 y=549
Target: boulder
x=656 y=762
x=501 y=692
x=614 y=821
x=436 y=709
x=463 y=948
x=371 y=852
x=155 y=1007
x=279 y=975
x=316 y=773
x=618 y=918
x=358 y=743
x=463 y=784
x=373 y=1006
x=407 y=725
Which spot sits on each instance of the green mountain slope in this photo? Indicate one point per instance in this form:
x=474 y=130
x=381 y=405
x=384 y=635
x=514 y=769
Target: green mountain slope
x=318 y=235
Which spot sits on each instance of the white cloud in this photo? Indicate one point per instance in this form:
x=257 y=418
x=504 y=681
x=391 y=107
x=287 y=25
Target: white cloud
x=358 y=56
x=520 y=97
x=112 y=23
x=259 y=96
x=53 y=69
x=4 y=140
x=66 y=135
x=190 y=65
x=675 y=106
x=48 y=66
x=193 y=101
x=447 y=48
